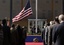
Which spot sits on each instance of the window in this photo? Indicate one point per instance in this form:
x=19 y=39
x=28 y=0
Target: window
x=32 y=26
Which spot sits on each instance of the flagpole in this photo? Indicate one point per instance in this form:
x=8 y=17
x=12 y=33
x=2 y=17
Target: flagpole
x=36 y=14
x=10 y=12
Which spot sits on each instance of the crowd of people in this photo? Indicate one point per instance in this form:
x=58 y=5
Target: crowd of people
x=53 y=33
x=14 y=35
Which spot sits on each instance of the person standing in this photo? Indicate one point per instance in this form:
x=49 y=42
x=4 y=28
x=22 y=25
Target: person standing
x=50 y=33
x=6 y=32
x=24 y=34
x=46 y=33
x=43 y=34
x=56 y=23
x=59 y=34
x=14 y=35
x=20 y=34
x=1 y=35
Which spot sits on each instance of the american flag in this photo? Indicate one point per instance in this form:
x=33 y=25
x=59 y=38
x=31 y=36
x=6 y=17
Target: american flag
x=26 y=11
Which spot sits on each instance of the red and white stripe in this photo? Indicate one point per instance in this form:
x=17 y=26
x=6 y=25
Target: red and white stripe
x=24 y=13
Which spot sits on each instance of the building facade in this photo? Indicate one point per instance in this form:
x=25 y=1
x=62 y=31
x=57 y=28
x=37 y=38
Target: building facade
x=47 y=9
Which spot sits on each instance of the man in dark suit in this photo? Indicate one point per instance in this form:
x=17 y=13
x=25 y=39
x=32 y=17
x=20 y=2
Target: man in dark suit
x=56 y=23
x=6 y=32
x=59 y=34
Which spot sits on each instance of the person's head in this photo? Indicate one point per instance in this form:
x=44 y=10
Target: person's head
x=56 y=20
x=61 y=17
x=23 y=26
x=4 y=22
x=13 y=26
x=17 y=27
x=51 y=22
x=35 y=40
